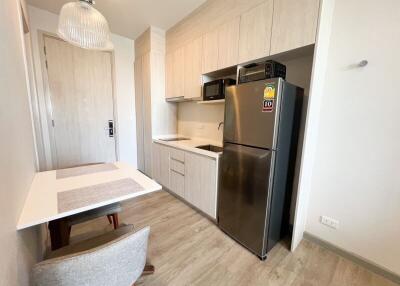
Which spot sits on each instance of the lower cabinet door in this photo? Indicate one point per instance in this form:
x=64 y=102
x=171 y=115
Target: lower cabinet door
x=164 y=166
x=160 y=166
x=177 y=183
x=201 y=182
x=156 y=162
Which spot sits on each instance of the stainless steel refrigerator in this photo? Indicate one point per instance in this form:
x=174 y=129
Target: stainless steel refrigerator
x=260 y=138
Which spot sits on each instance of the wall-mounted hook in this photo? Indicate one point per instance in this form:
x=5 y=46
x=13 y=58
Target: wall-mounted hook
x=363 y=63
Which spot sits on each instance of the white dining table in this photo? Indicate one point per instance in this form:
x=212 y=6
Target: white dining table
x=61 y=193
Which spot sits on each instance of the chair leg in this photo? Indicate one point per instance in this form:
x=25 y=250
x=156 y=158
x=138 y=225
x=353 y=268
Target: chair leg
x=109 y=217
x=115 y=220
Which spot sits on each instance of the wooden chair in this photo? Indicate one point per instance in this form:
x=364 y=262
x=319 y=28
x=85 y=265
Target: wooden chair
x=117 y=258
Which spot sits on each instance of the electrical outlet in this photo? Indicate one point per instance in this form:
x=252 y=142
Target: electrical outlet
x=332 y=223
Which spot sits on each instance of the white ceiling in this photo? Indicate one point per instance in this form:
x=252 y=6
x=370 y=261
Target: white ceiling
x=130 y=18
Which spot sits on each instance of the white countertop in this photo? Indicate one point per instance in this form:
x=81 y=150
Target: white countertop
x=41 y=204
x=190 y=145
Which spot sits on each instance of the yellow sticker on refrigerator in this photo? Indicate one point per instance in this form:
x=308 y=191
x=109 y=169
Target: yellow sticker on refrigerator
x=269 y=98
x=269 y=91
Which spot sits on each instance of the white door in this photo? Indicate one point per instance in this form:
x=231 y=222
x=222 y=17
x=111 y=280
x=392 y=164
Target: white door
x=81 y=95
x=354 y=177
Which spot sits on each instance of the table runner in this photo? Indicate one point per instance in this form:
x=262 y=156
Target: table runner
x=82 y=197
x=84 y=170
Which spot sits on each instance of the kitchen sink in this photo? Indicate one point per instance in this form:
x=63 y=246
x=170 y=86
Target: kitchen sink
x=211 y=148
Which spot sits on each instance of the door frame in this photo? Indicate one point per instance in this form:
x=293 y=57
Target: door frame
x=51 y=150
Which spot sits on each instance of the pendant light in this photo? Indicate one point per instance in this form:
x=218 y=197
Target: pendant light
x=82 y=25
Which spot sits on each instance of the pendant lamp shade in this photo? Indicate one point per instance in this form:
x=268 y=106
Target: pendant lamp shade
x=82 y=25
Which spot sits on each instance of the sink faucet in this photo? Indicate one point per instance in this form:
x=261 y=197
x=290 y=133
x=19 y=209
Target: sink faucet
x=220 y=124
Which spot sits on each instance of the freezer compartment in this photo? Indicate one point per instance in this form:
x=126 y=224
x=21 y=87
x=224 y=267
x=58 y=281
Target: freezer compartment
x=247 y=120
x=243 y=195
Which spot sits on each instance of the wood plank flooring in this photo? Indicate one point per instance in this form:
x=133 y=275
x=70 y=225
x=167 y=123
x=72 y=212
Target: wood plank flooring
x=188 y=249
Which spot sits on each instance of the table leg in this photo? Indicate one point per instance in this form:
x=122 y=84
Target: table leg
x=59 y=233
x=115 y=220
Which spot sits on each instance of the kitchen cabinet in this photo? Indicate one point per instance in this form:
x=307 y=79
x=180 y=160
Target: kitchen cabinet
x=191 y=176
x=175 y=74
x=210 y=52
x=156 y=162
x=169 y=76
x=153 y=115
x=139 y=112
x=193 y=69
x=221 y=47
x=201 y=182
x=143 y=112
x=177 y=183
x=164 y=166
x=228 y=43
x=294 y=24
x=161 y=165
x=255 y=32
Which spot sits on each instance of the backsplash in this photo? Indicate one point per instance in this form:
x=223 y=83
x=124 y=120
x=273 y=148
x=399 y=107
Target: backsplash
x=200 y=120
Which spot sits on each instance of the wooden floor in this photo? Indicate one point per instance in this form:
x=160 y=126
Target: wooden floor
x=188 y=249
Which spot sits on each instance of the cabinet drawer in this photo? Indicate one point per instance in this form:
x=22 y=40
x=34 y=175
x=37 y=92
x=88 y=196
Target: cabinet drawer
x=177 y=166
x=177 y=155
x=177 y=183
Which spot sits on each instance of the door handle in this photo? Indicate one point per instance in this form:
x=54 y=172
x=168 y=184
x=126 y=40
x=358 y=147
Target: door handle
x=110 y=128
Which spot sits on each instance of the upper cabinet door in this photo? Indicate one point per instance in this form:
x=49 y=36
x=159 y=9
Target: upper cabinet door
x=169 y=73
x=174 y=74
x=147 y=134
x=255 y=32
x=193 y=68
x=178 y=72
x=139 y=113
x=210 y=51
x=228 y=43
x=294 y=24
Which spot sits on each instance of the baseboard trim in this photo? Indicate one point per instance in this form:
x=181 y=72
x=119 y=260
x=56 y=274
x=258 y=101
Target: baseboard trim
x=354 y=257
x=213 y=220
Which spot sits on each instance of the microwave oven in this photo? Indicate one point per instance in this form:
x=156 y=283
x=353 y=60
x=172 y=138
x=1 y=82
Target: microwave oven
x=215 y=89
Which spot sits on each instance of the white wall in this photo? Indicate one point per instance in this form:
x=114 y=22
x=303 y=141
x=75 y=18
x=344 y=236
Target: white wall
x=312 y=120
x=355 y=175
x=42 y=20
x=19 y=250
x=200 y=120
